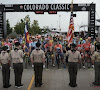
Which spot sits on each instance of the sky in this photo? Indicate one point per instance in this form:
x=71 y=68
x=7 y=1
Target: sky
x=51 y=20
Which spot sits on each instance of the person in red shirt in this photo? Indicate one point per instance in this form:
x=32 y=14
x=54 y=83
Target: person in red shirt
x=8 y=44
x=48 y=46
x=87 y=51
x=89 y=39
x=87 y=45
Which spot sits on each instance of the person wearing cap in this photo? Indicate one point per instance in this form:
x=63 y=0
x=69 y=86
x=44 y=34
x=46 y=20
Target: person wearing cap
x=5 y=62
x=96 y=60
x=73 y=57
x=17 y=60
x=8 y=44
x=38 y=59
x=87 y=53
x=33 y=44
x=49 y=50
x=43 y=44
x=58 y=50
x=89 y=39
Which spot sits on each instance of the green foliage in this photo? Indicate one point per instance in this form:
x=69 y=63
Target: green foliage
x=19 y=27
x=9 y=29
x=35 y=29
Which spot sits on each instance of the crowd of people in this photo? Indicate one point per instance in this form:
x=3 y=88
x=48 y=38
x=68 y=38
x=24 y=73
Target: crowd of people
x=79 y=53
x=55 y=44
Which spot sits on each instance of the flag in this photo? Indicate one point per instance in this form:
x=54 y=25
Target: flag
x=70 y=33
x=26 y=39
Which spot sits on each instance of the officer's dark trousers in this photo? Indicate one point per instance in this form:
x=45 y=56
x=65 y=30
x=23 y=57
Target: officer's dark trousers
x=72 y=68
x=6 y=74
x=38 y=68
x=18 y=70
x=97 y=73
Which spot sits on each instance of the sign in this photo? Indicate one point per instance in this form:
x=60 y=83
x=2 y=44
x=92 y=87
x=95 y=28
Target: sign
x=49 y=8
x=43 y=7
x=46 y=7
x=52 y=12
x=39 y=12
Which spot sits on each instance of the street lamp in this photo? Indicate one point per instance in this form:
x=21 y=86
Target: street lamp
x=57 y=25
x=59 y=22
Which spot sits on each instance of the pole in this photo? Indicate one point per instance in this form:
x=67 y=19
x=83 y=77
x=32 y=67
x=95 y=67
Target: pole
x=59 y=22
x=4 y=24
x=57 y=25
x=79 y=30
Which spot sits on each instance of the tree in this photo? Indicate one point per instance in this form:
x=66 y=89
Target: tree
x=9 y=29
x=35 y=29
x=20 y=26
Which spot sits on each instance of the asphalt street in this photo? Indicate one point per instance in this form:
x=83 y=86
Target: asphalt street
x=54 y=79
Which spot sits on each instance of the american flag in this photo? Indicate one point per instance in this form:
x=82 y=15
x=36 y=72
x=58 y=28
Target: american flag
x=70 y=33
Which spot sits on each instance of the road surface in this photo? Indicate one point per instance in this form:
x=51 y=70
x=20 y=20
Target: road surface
x=54 y=79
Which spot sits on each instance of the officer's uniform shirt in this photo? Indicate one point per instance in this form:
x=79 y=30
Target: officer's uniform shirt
x=96 y=56
x=4 y=57
x=97 y=43
x=37 y=56
x=17 y=56
x=73 y=57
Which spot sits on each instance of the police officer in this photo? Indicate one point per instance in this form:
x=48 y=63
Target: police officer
x=97 y=43
x=73 y=57
x=38 y=59
x=17 y=60
x=5 y=62
x=96 y=59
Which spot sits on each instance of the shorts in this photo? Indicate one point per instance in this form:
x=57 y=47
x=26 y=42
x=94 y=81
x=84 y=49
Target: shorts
x=60 y=53
x=50 y=53
x=87 y=53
